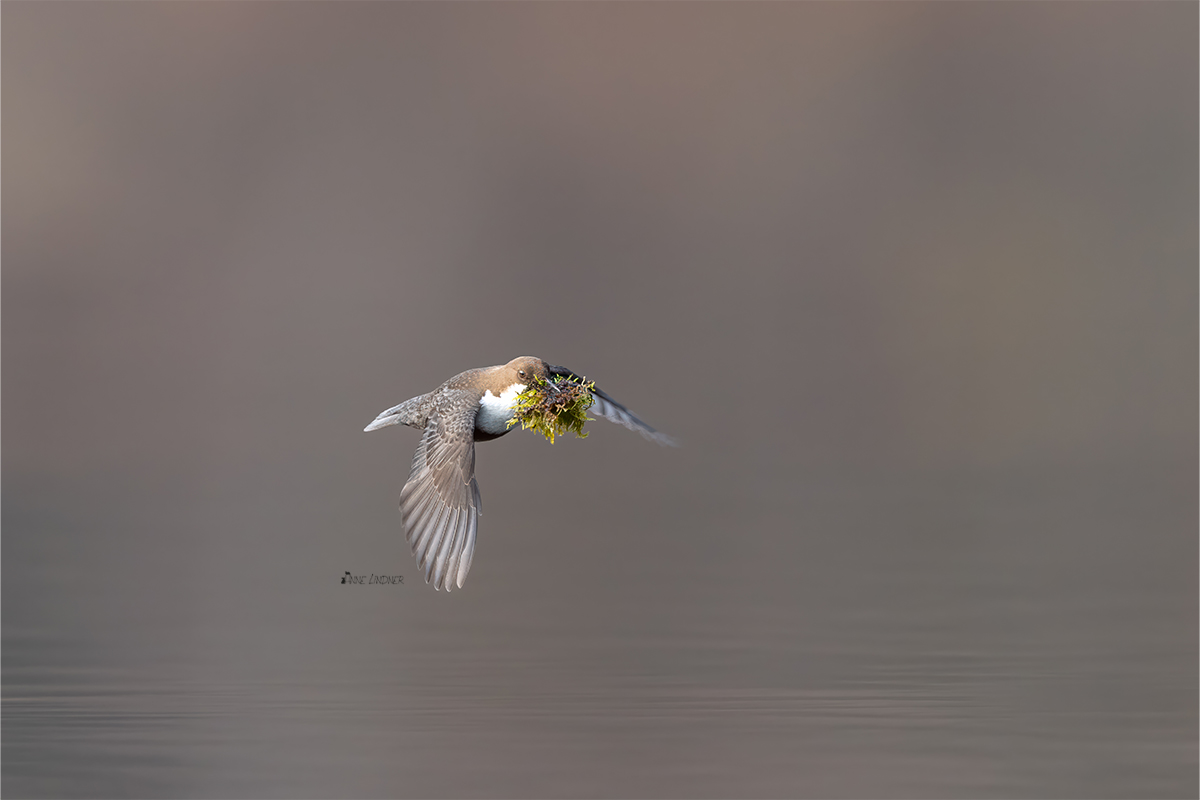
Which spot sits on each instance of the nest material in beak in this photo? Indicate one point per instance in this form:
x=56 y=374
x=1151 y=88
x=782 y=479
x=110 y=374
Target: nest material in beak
x=554 y=407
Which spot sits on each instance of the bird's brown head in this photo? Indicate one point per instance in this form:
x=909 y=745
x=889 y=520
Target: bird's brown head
x=525 y=368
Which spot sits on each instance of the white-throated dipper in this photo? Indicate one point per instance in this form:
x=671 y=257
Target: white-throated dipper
x=439 y=505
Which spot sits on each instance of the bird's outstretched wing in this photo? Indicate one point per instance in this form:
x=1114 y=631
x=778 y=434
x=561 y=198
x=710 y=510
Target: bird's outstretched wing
x=613 y=411
x=440 y=505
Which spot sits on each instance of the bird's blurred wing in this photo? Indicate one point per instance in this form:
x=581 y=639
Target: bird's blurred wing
x=613 y=411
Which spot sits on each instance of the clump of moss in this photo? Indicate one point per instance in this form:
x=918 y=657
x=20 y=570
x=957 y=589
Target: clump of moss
x=554 y=407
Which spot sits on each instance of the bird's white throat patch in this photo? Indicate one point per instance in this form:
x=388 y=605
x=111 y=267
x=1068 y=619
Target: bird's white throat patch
x=495 y=412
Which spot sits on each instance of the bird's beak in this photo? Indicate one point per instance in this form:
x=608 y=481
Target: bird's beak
x=389 y=417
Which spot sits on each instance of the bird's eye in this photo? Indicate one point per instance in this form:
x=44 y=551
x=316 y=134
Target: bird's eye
x=521 y=372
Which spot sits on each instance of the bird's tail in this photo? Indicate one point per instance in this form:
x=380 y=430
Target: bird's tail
x=407 y=413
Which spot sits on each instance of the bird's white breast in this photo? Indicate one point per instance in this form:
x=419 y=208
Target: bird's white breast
x=495 y=412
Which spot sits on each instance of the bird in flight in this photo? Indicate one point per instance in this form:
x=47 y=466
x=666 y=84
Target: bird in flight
x=439 y=505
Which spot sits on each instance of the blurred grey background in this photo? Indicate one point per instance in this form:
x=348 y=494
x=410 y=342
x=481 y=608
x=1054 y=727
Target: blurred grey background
x=915 y=285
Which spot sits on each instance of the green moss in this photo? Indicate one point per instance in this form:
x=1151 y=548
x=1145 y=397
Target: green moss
x=554 y=407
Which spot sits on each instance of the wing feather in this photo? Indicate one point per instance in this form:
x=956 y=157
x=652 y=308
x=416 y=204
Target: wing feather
x=613 y=411
x=439 y=504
